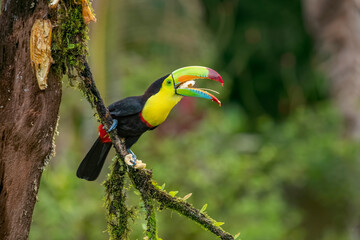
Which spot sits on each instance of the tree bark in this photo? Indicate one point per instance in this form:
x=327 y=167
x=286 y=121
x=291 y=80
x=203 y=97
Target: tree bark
x=335 y=24
x=28 y=117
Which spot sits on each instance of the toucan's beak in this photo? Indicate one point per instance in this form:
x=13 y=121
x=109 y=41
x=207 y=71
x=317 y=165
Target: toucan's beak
x=184 y=80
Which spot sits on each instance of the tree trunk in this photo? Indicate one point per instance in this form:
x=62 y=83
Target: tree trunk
x=335 y=24
x=28 y=118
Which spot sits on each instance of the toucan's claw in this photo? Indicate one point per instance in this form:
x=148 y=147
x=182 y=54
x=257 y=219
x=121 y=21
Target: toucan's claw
x=134 y=159
x=113 y=126
x=129 y=159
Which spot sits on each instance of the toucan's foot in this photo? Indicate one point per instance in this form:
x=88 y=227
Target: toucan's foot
x=113 y=126
x=131 y=160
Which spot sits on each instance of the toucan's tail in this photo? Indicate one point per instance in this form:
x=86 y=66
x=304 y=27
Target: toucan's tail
x=93 y=162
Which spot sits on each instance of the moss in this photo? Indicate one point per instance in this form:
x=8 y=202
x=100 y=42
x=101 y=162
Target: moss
x=186 y=209
x=151 y=231
x=70 y=35
x=118 y=215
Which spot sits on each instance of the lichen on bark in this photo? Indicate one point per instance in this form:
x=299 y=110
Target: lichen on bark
x=70 y=36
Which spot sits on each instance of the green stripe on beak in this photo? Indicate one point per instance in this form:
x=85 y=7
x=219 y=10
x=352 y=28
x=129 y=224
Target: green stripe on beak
x=184 y=79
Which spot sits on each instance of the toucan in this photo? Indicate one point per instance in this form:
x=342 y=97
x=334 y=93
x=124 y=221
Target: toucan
x=132 y=116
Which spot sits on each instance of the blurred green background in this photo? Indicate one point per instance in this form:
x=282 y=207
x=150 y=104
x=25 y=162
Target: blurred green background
x=272 y=162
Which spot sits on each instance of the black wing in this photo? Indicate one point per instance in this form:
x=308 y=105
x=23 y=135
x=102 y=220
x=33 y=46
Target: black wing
x=126 y=107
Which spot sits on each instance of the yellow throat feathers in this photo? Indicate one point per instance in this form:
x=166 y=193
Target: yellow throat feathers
x=158 y=106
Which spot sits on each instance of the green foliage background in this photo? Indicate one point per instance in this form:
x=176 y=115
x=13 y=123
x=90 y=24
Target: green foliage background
x=272 y=163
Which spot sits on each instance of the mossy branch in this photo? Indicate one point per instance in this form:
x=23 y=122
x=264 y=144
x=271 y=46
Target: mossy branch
x=141 y=178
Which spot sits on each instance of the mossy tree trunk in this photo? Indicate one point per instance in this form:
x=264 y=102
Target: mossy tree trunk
x=28 y=117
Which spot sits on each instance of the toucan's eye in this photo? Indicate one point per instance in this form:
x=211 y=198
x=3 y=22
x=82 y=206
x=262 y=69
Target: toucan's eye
x=168 y=82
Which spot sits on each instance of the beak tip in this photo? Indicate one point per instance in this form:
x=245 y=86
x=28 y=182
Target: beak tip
x=217 y=101
x=215 y=76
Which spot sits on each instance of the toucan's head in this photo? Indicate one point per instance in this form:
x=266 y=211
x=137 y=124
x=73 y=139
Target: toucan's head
x=181 y=82
x=167 y=91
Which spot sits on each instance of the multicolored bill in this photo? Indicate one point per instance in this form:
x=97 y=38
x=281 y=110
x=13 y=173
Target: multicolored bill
x=184 y=80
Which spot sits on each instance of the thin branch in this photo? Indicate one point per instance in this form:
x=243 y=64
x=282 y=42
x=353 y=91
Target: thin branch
x=142 y=178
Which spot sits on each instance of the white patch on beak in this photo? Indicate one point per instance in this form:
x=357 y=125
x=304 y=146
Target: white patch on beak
x=187 y=84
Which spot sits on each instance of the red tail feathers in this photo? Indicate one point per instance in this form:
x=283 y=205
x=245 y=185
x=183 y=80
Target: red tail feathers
x=103 y=134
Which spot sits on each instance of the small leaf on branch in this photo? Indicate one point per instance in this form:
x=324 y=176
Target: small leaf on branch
x=155 y=184
x=219 y=224
x=173 y=193
x=203 y=208
x=187 y=196
x=163 y=187
x=237 y=235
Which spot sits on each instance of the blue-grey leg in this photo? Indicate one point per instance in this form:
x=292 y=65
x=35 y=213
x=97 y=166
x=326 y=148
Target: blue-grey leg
x=113 y=126
x=133 y=156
